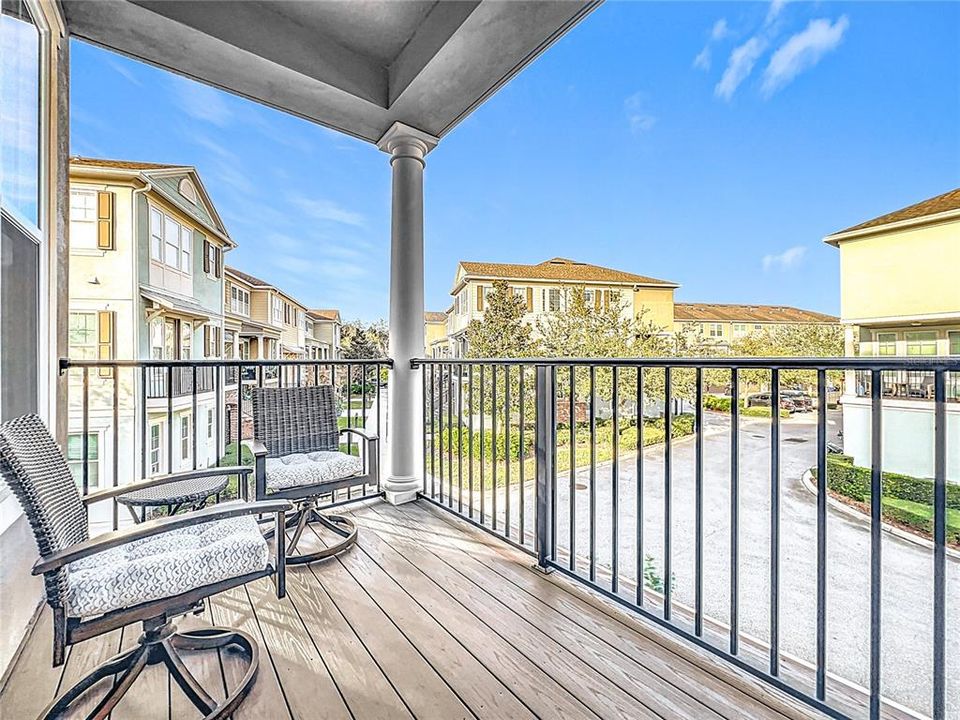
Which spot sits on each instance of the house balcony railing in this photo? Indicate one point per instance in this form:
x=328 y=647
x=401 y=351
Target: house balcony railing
x=119 y=401
x=906 y=384
x=181 y=381
x=560 y=458
x=733 y=550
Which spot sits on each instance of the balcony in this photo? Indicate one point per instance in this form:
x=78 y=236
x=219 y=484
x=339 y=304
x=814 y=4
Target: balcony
x=522 y=566
x=178 y=382
x=906 y=385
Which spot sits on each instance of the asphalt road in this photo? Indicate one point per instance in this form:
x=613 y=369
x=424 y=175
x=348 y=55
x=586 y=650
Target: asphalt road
x=907 y=605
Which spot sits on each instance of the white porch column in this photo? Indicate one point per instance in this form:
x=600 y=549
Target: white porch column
x=407 y=147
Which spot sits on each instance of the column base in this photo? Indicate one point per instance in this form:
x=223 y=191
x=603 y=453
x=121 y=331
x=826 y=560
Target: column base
x=401 y=490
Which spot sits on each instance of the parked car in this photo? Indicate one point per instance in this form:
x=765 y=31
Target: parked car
x=763 y=399
x=800 y=399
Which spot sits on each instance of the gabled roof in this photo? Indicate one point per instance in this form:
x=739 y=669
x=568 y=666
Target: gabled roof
x=946 y=204
x=561 y=269
x=718 y=312
x=435 y=317
x=325 y=314
x=121 y=164
x=248 y=278
x=165 y=180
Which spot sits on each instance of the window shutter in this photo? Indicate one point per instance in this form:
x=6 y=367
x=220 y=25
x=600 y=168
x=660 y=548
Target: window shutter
x=596 y=299
x=529 y=299
x=479 y=298
x=206 y=256
x=105 y=230
x=106 y=339
x=218 y=271
x=606 y=298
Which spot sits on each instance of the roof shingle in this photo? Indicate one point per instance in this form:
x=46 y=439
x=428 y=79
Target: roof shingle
x=248 y=278
x=931 y=206
x=431 y=316
x=560 y=269
x=325 y=314
x=120 y=164
x=717 y=312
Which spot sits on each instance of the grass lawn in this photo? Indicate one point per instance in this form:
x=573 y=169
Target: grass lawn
x=925 y=512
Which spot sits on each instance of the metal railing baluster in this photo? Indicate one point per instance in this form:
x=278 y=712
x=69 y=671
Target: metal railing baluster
x=821 y=650
x=507 y=452
x=493 y=431
x=615 y=482
x=734 y=511
x=593 y=474
x=639 y=489
x=939 y=545
x=876 y=518
x=115 y=450
x=460 y=437
x=523 y=458
x=667 y=492
x=774 y=521
x=698 y=509
x=483 y=450
x=573 y=470
x=470 y=437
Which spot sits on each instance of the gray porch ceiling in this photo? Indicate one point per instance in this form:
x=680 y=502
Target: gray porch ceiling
x=356 y=67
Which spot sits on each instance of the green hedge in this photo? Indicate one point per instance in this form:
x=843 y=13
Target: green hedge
x=719 y=403
x=854 y=482
x=920 y=517
x=460 y=438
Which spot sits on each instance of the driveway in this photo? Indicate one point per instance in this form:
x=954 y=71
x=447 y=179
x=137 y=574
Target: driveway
x=907 y=610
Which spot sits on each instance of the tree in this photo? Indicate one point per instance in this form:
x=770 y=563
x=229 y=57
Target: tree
x=363 y=342
x=790 y=341
x=502 y=332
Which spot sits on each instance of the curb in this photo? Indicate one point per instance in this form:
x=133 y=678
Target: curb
x=807 y=481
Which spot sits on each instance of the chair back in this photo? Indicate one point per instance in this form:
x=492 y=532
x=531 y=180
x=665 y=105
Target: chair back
x=295 y=419
x=37 y=473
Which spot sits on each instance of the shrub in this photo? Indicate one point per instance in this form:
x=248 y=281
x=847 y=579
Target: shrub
x=719 y=403
x=920 y=517
x=460 y=438
x=851 y=481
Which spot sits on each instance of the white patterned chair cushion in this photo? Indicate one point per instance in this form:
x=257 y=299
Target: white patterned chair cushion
x=314 y=468
x=165 y=565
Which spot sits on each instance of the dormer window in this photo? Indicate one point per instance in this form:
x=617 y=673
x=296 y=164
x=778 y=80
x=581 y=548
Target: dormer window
x=188 y=190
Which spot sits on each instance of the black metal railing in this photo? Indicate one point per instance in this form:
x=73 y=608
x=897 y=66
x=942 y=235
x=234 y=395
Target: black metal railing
x=112 y=406
x=906 y=384
x=584 y=465
x=182 y=382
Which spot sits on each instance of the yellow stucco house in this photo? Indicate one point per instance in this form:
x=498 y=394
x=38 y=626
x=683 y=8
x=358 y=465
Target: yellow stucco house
x=900 y=296
x=723 y=323
x=546 y=287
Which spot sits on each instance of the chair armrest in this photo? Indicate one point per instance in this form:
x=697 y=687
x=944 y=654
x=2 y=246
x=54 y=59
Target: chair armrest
x=256 y=447
x=150 y=528
x=360 y=432
x=112 y=492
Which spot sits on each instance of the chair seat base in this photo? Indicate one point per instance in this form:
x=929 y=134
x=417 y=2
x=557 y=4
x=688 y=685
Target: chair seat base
x=161 y=643
x=307 y=513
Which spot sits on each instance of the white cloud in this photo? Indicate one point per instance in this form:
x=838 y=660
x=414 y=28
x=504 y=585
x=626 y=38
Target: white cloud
x=718 y=32
x=773 y=12
x=789 y=258
x=739 y=66
x=802 y=51
x=201 y=102
x=329 y=211
x=124 y=71
x=640 y=119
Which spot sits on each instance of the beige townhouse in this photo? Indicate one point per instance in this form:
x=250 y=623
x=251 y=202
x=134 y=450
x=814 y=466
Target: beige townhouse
x=721 y=324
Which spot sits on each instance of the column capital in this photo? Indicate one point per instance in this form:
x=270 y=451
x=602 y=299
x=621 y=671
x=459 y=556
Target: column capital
x=402 y=140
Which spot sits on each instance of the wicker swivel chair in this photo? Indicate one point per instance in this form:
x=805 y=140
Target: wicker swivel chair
x=150 y=573
x=297 y=455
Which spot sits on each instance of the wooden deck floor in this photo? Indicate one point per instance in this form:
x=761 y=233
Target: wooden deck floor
x=426 y=618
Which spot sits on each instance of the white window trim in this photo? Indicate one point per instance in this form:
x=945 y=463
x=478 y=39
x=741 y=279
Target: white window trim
x=162 y=260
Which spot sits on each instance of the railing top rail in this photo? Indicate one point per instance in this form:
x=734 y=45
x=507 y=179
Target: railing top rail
x=928 y=363
x=67 y=363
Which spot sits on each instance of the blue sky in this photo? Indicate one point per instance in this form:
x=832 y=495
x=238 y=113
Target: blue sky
x=713 y=144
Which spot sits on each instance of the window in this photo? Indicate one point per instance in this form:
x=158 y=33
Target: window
x=20 y=100
x=588 y=297
x=91 y=337
x=239 y=301
x=886 y=343
x=170 y=242
x=613 y=297
x=155 y=449
x=302 y=320
x=277 y=305
x=211 y=341
x=245 y=348
x=739 y=329
x=156 y=339
x=75 y=459
x=188 y=190
x=211 y=259
x=715 y=330
x=83 y=205
x=922 y=342
x=186 y=339
x=184 y=437
x=554 y=299
x=757 y=327
x=156 y=235
x=953 y=342
x=82 y=335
